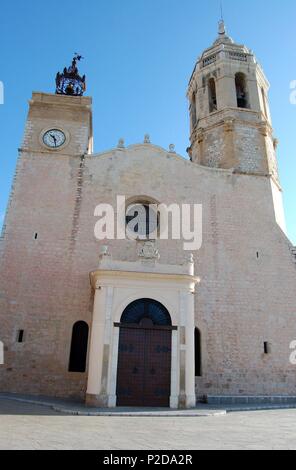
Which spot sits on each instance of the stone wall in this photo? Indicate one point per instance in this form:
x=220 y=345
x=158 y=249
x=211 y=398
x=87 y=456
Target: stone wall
x=248 y=275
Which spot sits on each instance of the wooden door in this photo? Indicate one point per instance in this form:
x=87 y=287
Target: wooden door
x=144 y=367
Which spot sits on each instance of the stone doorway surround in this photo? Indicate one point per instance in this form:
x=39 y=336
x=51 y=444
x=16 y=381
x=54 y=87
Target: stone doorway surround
x=116 y=285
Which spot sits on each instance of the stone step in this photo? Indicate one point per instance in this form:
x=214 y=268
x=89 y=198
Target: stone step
x=250 y=400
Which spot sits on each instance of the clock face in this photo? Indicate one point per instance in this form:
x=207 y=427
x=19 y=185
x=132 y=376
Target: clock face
x=54 y=138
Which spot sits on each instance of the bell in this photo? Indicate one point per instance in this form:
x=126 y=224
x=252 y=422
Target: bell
x=69 y=89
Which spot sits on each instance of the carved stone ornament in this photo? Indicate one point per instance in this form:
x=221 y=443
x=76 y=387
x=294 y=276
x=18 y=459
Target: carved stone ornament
x=275 y=143
x=121 y=144
x=200 y=135
x=229 y=125
x=149 y=251
x=104 y=252
x=264 y=129
x=189 y=258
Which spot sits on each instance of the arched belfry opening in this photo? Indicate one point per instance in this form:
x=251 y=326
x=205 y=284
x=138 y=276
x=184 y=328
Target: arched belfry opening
x=193 y=113
x=212 y=95
x=241 y=91
x=144 y=355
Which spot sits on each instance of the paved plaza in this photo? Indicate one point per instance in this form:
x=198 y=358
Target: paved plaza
x=30 y=426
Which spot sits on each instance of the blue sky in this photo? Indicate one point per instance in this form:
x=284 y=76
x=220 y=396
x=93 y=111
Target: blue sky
x=139 y=55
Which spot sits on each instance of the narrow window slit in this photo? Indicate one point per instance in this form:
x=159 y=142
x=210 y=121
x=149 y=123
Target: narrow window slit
x=20 y=336
x=197 y=341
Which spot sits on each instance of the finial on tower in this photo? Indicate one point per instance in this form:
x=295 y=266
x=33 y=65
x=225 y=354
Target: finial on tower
x=70 y=82
x=222 y=29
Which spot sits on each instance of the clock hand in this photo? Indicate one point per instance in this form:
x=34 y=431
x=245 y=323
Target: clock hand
x=54 y=139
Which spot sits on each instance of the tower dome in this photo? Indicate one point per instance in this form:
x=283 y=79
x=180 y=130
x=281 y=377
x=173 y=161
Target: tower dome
x=223 y=38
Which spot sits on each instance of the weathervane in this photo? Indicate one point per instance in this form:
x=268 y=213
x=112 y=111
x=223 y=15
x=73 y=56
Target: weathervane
x=70 y=82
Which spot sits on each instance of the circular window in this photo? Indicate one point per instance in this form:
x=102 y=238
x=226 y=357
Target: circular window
x=142 y=220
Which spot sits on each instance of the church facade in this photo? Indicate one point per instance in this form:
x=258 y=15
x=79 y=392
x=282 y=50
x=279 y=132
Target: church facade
x=135 y=322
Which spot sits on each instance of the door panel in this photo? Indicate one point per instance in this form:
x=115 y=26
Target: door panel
x=144 y=367
x=131 y=360
x=157 y=375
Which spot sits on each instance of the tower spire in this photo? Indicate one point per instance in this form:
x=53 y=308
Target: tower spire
x=222 y=29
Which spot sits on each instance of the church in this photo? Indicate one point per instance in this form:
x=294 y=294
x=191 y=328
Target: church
x=141 y=321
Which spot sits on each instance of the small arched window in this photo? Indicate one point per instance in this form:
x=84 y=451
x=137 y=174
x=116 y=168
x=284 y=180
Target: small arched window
x=241 y=91
x=78 y=351
x=197 y=347
x=193 y=110
x=212 y=95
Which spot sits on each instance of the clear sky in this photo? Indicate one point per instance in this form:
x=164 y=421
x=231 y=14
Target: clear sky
x=139 y=55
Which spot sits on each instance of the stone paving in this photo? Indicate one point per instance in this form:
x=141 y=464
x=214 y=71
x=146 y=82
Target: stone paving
x=79 y=408
x=30 y=426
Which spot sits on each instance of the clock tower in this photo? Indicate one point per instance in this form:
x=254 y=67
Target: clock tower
x=58 y=125
x=61 y=123
x=41 y=229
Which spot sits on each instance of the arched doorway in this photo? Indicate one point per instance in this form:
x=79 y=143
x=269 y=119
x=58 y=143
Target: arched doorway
x=144 y=355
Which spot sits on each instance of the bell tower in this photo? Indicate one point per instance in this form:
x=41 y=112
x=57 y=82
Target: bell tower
x=230 y=122
x=61 y=123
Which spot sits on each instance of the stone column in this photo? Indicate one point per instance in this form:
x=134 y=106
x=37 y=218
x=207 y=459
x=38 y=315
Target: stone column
x=94 y=385
x=190 y=353
x=187 y=397
x=175 y=379
x=113 y=369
